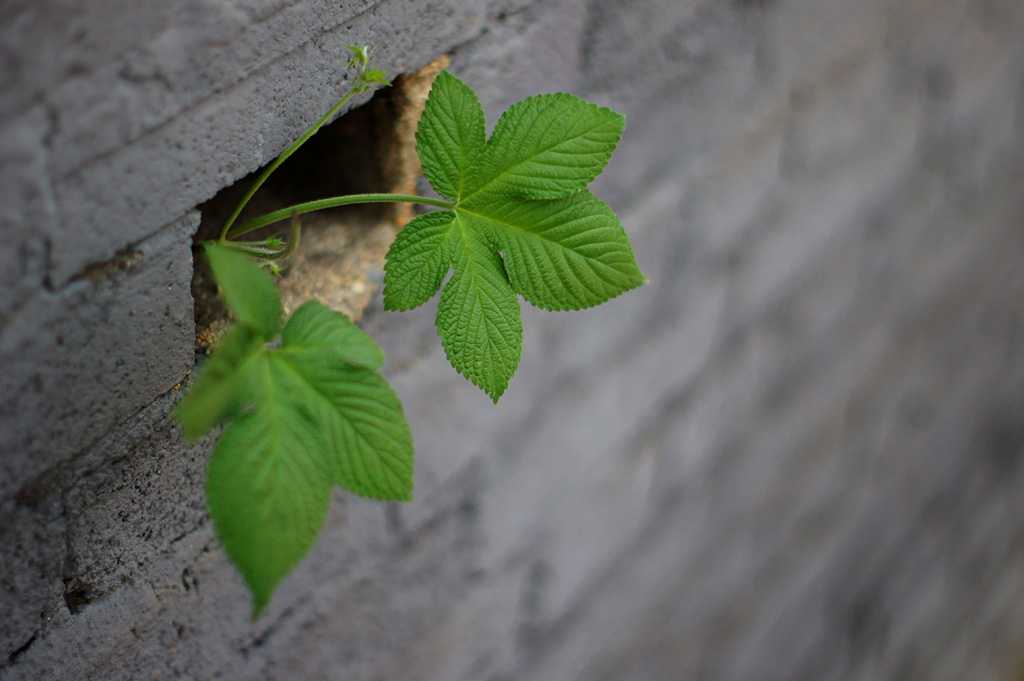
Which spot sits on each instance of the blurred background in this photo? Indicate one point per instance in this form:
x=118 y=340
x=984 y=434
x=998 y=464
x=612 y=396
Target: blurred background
x=798 y=453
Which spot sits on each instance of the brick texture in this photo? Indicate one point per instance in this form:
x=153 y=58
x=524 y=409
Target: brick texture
x=798 y=453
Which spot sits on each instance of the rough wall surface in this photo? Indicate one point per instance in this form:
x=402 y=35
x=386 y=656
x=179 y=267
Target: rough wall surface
x=797 y=454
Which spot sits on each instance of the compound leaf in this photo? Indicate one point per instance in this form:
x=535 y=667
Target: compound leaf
x=309 y=414
x=522 y=222
x=478 y=315
x=561 y=254
x=546 y=147
x=248 y=290
x=450 y=135
x=316 y=420
x=417 y=261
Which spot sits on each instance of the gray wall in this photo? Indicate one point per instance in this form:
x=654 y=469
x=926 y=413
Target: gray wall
x=797 y=454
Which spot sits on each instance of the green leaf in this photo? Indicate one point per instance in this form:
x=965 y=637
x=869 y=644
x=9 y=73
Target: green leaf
x=360 y=55
x=523 y=223
x=307 y=415
x=267 y=490
x=319 y=332
x=417 y=261
x=220 y=389
x=375 y=76
x=450 y=135
x=366 y=438
x=564 y=254
x=546 y=147
x=478 y=315
x=248 y=290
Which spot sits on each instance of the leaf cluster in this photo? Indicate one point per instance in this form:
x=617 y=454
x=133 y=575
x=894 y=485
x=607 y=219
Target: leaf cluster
x=304 y=414
x=521 y=223
x=303 y=403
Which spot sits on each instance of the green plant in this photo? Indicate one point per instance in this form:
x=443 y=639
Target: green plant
x=311 y=410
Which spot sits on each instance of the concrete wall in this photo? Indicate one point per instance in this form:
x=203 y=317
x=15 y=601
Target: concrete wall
x=797 y=454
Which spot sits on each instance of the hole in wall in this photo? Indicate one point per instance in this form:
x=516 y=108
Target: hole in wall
x=76 y=597
x=341 y=256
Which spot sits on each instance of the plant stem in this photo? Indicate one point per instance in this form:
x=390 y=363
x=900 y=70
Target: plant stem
x=309 y=207
x=352 y=92
x=262 y=251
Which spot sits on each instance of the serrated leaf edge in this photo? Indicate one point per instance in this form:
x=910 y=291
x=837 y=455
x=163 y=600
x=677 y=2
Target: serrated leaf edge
x=484 y=159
